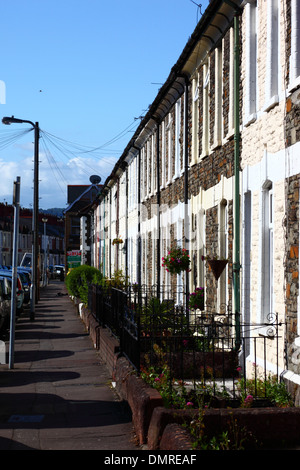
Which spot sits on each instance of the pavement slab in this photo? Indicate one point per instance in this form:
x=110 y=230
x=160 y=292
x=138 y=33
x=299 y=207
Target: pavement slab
x=58 y=395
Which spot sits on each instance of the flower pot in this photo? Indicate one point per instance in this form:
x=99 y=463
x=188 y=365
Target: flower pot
x=217 y=266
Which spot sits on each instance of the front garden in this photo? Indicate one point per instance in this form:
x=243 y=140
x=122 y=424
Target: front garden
x=190 y=360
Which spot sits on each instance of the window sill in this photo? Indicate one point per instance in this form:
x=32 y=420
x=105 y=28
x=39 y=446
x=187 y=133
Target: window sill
x=271 y=103
x=250 y=119
x=294 y=85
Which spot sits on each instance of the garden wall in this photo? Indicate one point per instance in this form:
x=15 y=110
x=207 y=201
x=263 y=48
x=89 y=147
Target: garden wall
x=160 y=428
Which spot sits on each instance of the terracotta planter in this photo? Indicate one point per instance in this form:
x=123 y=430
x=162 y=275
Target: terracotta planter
x=217 y=266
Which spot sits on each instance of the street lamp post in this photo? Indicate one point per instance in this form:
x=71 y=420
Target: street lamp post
x=45 y=246
x=34 y=290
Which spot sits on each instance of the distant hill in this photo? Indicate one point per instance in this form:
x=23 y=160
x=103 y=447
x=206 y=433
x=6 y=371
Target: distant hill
x=55 y=211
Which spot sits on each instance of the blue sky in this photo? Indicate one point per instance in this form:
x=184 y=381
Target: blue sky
x=85 y=71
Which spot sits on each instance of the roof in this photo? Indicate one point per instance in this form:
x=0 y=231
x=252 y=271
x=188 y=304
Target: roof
x=215 y=21
x=84 y=197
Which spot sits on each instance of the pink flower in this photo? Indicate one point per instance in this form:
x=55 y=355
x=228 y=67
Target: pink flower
x=189 y=403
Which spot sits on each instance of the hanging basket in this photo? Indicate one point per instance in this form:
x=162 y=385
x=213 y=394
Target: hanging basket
x=117 y=241
x=217 y=266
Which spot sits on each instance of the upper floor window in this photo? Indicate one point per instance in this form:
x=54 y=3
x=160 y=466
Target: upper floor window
x=163 y=154
x=153 y=165
x=170 y=147
x=251 y=91
x=218 y=96
x=295 y=41
x=177 y=137
x=205 y=126
x=272 y=69
x=231 y=83
x=143 y=173
x=195 y=120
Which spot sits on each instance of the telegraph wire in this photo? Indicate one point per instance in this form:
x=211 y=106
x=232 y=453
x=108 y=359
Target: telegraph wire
x=9 y=137
x=70 y=154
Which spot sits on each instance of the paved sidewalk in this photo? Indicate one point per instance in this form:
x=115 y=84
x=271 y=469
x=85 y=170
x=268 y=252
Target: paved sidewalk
x=58 y=395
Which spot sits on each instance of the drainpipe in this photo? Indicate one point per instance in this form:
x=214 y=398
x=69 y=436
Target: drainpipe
x=186 y=179
x=139 y=242
x=126 y=222
x=103 y=269
x=158 y=235
x=109 y=236
x=186 y=182
x=236 y=264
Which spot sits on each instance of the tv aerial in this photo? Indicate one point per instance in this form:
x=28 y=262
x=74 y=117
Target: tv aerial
x=95 y=179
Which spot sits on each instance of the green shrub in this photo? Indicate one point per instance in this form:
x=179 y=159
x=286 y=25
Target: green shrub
x=78 y=280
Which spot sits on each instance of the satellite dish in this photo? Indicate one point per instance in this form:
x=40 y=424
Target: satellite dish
x=94 y=179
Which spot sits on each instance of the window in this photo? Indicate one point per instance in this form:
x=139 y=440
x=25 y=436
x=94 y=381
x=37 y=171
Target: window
x=149 y=167
x=143 y=173
x=170 y=147
x=295 y=41
x=195 y=120
x=205 y=130
x=163 y=154
x=231 y=84
x=153 y=165
x=251 y=62
x=223 y=241
x=177 y=137
x=267 y=252
x=218 y=96
x=272 y=76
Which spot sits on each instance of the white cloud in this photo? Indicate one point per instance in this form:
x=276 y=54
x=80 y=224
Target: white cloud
x=54 y=177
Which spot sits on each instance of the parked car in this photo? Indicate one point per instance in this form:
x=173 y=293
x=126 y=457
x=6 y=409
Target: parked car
x=59 y=270
x=5 y=300
x=26 y=282
x=20 y=289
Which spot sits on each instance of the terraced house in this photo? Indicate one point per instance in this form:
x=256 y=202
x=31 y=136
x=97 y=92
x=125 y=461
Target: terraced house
x=214 y=167
x=270 y=174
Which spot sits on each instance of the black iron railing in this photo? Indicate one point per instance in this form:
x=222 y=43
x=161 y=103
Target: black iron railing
x=196 y=346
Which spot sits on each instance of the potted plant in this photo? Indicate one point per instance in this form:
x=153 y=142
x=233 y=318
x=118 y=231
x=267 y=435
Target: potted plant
x=196 y=299
x=177 y=260
x=217 y=265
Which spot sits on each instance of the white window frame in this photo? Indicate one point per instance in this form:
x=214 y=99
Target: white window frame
x=177 y=138
x=295 y=44
x=150 y=170
x=218 y=96
x=169 y=129
x=223 y=250
x=267 y=252
x=251 y=86
x=195 y=120
x=231 y=84
x=163 y=154
x=273 y=58
x=205 y=97
x=143 y=173
x=153 y=165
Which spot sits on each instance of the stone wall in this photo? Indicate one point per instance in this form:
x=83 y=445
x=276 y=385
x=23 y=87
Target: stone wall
x=292 y=236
